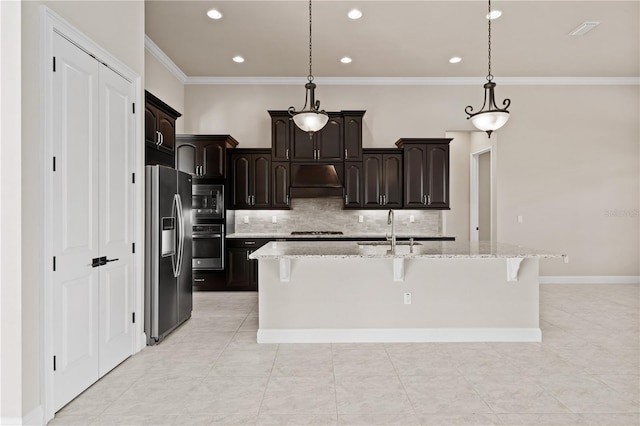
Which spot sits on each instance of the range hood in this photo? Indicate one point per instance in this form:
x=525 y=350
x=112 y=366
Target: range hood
x=316 y=180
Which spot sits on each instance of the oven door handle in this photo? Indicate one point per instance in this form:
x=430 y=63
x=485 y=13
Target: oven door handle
x=206 y=236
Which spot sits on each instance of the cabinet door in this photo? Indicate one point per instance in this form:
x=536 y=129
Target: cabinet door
x=280 y=138
x=392 y=180
x=437 y=160
x=241 y=273
x=353 y=184
x=372 y=189
x=329 y=141
x=186 y=158
x=150 y=126
x=280 y=185
x=212 y=159
x=352 y=138
x=415 y=176
x=167 y=129
x=261 y=180
x=241 y=181
x=303 y=147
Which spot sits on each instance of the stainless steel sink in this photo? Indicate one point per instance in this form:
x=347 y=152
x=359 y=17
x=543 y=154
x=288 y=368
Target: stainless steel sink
x=387 y=243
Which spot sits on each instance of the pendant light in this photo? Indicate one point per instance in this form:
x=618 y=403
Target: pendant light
x=313 y=119
x=493 y=117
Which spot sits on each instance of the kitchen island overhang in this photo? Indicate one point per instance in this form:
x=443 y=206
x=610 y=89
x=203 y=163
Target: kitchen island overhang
x=348 y=292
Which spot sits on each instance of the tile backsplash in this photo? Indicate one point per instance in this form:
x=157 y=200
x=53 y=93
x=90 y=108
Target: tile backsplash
x=327 y=214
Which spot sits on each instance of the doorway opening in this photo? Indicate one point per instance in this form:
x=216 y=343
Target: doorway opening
x=481 y=212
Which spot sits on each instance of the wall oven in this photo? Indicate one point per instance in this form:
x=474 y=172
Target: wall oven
x=207 y=203
x=207 y=247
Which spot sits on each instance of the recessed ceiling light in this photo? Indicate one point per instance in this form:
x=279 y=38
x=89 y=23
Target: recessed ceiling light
x=346 y=60
x=455 y=59
x=214 y=14
x=238 y=59
x=354 y=14
x=495 y=14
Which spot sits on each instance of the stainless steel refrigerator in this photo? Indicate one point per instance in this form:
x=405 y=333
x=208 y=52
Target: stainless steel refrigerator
x=168 y=278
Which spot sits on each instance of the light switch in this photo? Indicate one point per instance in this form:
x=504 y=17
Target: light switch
x=360 y=219
x=412 y=218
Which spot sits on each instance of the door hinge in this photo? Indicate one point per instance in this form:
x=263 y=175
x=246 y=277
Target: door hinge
x=54 y=64
x=54 y=263
x=133 y=178
x=54 y=363
x=54 y=164
x=134 y=107
x=133 y=317
x=133 y=247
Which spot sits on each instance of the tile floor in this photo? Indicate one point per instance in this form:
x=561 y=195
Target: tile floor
x=211 y=371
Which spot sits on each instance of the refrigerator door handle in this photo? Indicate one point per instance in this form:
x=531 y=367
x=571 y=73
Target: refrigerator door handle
x=181 y=239
x=176 y=255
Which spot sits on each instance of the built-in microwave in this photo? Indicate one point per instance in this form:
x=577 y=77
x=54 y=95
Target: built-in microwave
x=207 y=202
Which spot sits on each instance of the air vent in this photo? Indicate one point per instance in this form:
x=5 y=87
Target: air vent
x=584 y=28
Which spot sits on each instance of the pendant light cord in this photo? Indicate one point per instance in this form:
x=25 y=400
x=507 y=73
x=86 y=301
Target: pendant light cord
x=489 y=76
x=310 y=77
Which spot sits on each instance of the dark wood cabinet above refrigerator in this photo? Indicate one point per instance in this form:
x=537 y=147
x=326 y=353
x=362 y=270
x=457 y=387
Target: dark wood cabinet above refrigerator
x=203 y=156
x=159 y=131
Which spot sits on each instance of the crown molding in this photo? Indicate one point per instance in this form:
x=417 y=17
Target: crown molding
x=416 y=81
x=157 y=53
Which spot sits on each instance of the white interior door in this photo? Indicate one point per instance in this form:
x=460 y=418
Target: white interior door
x=75 y=188
x=116 y=219
x=92 y=219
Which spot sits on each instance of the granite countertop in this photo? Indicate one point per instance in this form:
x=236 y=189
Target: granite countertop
x=425 y=249
x=288 y=236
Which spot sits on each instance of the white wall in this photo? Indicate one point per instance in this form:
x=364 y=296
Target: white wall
x=118 y=27
x=164 y=85
x=568 y=155
x=11 y=351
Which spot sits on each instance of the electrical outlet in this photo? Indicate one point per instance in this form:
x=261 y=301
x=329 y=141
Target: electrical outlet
x=407 y=298
x=519 y=219
x=360 y=219
x=246 y=219
x=566 y=259
x=412 y=218
x=274 y=219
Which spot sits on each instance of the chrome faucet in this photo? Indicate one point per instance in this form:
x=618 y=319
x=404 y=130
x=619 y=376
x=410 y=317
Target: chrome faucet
x=391 y=221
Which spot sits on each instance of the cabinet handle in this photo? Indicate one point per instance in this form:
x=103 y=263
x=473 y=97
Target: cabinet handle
x=346 y=199
x=248 y=253
x=161 y=138
x=253 y=200
x=424 y=200
x=287 y=199
x=346 y=154
x=249 y=243
x=384 y=200
x=199 y=280
x=428 y=199
x=200 y=171
x=157 y=138
x=286 y=153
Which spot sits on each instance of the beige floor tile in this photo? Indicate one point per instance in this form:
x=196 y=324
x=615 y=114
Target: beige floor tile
x=297 y=419
x=135 y=420
x=247 y=340
x=303 y=363
x=71 y=420
x=612 y=419
x=397 y=419
x=443 y=394
x=225 y=395
x=299 y=395
x=522 y=397
x=238 y=362
x=371 y=394
x=362 y=362
x=422 y=363
x=468 y=419
x=542 y=419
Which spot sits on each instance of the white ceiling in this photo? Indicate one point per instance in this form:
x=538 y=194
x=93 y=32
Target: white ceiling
x=398 y=38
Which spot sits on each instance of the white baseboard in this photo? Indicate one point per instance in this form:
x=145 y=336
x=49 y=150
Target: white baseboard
x=399 y=335
x=588 y=279
x=34 y=418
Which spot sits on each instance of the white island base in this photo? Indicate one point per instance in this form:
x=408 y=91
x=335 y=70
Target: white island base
x=354 y=298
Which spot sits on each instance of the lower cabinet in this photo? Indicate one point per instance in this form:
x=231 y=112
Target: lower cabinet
x=209 y=281
x=242 y=272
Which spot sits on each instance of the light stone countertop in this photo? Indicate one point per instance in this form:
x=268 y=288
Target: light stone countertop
x=287 y=235
x=425 y=249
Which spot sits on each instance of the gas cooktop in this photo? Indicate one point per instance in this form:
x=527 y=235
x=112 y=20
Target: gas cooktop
x=316 y=233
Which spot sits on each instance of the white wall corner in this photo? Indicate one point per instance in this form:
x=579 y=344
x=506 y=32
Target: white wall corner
x=620 y=279
x=34 y=418
x=162 y=57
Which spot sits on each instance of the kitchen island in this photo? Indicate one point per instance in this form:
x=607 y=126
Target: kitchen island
x=428 y=291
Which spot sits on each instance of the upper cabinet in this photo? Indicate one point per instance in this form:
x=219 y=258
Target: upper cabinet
x=250 y=178
x=160 y=131
x=382 y=178
x=339 y=140
x=426 y=173
x=203 y=156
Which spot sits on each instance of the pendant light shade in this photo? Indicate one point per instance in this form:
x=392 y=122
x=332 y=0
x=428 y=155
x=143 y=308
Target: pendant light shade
x=313 y=119
x=492 y=118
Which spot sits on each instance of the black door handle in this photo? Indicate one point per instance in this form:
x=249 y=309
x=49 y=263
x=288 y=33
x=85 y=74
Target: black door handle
x=95 y=262
x=99 y=261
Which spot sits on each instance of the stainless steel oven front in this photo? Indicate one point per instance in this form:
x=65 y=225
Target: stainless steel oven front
x=208 y=247
x=207 y=202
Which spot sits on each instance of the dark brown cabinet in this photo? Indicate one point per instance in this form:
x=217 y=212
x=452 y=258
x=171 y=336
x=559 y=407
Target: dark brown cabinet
x=353 y=184
x=250 y=178
x=280 y=185
x=242 y=272
x=382 y=179
x=280 y=135
x=325 y=145
x=203 y=156
x=159 y=131
x=352 y=125
x=426 y=173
